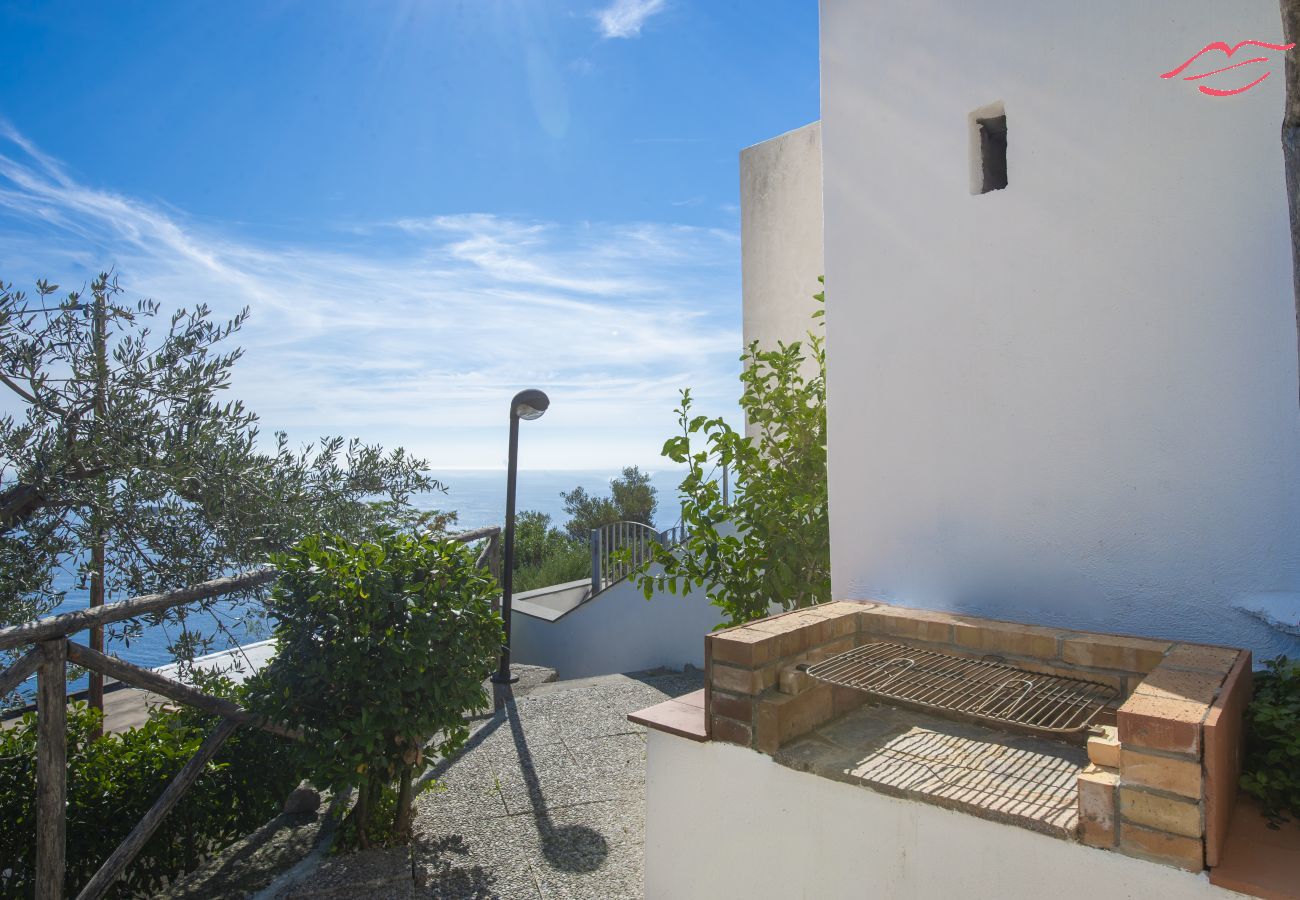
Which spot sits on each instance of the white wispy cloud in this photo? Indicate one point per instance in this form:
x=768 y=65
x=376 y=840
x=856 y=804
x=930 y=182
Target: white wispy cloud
x=418 y=331
x=624 y=18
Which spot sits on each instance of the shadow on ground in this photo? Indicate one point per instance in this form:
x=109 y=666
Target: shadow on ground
x=568 y=848
x=444 y=876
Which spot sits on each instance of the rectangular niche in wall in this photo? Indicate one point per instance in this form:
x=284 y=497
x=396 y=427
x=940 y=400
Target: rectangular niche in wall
x=988 y=149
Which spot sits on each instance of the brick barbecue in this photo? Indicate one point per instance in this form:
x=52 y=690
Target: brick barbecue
x=1163 y=761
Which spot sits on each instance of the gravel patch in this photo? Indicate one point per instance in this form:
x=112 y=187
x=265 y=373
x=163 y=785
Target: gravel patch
x=546 y=801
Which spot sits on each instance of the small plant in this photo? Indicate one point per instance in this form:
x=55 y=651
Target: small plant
x=771 y=545
x=1272 y=768
x=381 y=646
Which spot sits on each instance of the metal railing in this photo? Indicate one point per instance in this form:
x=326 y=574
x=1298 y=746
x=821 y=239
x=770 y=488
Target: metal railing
x=621 y=549
x=49 y=654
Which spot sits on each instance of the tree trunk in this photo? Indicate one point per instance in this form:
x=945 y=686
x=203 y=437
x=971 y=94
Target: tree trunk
x=402 y=818
x=361 y=813
x=99 y=537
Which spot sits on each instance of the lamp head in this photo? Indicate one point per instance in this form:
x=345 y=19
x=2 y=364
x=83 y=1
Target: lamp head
x=529 y=404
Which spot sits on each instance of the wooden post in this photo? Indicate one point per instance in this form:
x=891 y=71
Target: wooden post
x=51 y=769
x=494 y=555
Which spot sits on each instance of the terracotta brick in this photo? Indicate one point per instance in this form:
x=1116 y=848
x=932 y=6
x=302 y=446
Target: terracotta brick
x=1171 y=849
x=822 y=611
x=1127 y=654
x=842 y=607
x=1003 y=637
x=794 y=631
x=826 y=651
x=1115 y=682
x=673 y=717
x=1103 y=749
x=782 y=717
x=708 y=684
x=746 y=647
x=1258 y=860
x=920 y=624
x=694 y=698
x=767 y=731
x=1202 y=658
x=781 y=623
x=729 y=730
x=796 y=641
x=732 y=706
x=1161 y=724
x=793 y=681
x=1224 y=740
x=841 y=618
x=1160 y=813
x=1097 y=788
x=1176 y=684
x=845 y=699
x=817 y=627
x=1164 y=773
x=734 y=679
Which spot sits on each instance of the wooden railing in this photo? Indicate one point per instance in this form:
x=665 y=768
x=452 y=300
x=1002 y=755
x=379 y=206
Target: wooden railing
x=50 y=652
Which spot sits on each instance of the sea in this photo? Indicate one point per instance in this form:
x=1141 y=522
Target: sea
x=478 y=497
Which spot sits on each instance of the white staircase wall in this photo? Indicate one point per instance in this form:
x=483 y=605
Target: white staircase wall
x=617 y=631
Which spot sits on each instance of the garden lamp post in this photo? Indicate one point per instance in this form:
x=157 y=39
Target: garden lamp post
x=529 y=404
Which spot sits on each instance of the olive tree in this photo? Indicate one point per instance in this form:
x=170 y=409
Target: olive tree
x=119 y=457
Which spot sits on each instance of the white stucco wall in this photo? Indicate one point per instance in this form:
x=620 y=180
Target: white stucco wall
x=769 y=831
x=781 y=235
x=617 y=631
x=1073 y=401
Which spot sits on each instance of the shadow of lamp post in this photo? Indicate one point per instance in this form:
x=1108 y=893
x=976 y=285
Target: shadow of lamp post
x=529 y=404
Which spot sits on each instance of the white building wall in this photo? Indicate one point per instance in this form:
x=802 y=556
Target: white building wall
x=1073 y=401
x=773 y=832
x=781 y=236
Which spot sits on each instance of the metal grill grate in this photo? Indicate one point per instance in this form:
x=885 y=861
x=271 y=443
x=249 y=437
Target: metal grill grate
x=973 y=687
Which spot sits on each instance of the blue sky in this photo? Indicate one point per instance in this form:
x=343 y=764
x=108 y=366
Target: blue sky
x=428 y=205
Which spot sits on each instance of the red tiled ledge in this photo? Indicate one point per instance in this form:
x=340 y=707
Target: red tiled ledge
x=1258 y=860
x=682 y=716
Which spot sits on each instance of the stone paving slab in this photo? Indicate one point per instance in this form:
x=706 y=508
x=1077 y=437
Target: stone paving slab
x=548 y=801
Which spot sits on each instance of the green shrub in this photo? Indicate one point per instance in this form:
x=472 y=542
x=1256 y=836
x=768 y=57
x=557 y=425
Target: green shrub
x=544 y=555
x=380 y=646
x=569 y=563
x=112 y=783
x=537 y=541
x=1272 y=768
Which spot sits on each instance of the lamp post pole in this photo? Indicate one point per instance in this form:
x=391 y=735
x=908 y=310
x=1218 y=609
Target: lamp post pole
x=528 y=404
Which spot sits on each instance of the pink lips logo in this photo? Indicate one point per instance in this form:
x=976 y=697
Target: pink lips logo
x=1220 y=46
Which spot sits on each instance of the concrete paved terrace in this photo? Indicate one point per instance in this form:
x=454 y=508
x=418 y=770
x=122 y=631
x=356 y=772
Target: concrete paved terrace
x=547 y=801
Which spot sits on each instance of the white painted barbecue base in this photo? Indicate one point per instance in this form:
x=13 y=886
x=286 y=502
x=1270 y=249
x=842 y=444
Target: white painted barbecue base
x=723 y=821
